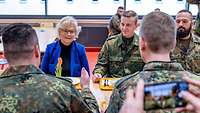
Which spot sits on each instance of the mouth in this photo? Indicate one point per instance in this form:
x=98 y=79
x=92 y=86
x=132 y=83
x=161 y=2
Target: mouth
x=67 y=38
x=181 y=29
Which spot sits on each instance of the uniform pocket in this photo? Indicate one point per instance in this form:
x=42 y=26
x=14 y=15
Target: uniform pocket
x=116 y=65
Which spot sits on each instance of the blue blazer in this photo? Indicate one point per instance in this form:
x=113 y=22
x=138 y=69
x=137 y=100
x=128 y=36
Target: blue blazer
x=78 y=59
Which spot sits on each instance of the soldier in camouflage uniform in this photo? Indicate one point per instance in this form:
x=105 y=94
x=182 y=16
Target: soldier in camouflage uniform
x=155 y=46
x=114 y=24
x=26 y=89
x=120 y=55
x=187 y=51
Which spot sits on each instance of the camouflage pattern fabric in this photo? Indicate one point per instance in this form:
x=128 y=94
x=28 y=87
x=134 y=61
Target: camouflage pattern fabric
x=197 y=23
x=114 y=25
x=26 y=89
x=153 y=72
x=190 y=57
x=117 y=59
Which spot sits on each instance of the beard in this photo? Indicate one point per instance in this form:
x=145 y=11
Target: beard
x=183 y=32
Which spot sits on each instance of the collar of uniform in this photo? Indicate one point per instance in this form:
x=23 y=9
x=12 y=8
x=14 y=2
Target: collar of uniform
x=193 y=39
x=161 y=65
x=135 y=41
x=21 y=69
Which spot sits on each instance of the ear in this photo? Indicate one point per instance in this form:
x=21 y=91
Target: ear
x=142 y=44
x=36 y=51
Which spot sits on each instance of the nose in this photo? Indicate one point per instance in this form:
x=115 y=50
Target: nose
x=180 y=23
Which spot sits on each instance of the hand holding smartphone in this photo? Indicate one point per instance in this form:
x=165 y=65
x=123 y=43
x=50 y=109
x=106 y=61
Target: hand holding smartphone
x=164 y=95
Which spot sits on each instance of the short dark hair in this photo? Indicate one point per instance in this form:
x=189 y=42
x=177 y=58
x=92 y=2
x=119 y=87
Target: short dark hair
x=19 y=40
x=184 y=10
x=129 y=13
x=120 y=7
x=159 y=31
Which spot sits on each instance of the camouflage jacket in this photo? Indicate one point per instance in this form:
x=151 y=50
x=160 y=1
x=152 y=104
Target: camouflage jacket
x=114 y=25
x=153 y=72
x=26 y=89
x=117 y=59
x=190 y=58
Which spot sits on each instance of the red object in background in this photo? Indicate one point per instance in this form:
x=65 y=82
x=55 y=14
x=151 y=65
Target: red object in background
x=92 y=55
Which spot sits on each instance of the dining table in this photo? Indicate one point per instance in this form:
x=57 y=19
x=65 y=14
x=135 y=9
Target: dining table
x=101 y=90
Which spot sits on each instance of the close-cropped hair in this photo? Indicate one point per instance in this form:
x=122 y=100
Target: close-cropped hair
x=120 y=7
x=19 y=40
x=68 y=21
x=130 y=13
x=185 y=11
x=159 y=30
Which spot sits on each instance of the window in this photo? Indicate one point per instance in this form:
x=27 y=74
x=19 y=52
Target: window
x=137 y=1
x=2 y=1
x=22 y=1
x=158 y=1
x=95 y=1
x=69 y=1
x=116 y=1
x=19 y=7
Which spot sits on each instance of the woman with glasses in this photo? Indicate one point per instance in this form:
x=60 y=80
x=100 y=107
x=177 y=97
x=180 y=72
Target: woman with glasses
x=65 y=57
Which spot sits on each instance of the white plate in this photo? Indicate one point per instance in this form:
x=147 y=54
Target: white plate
x=75 y=80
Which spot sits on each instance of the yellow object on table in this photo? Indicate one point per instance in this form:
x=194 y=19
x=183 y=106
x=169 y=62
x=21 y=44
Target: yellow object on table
x=102 y=96
x=107 y=83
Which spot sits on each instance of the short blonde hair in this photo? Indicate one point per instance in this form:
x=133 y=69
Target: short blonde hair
x=68 y=21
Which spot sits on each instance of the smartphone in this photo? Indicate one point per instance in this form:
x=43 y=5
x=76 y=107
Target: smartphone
x=164 y=95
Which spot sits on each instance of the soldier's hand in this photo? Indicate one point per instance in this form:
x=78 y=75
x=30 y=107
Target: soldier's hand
x=85 y=79
x=192 y=96
x=134 y=102
x=96 y=77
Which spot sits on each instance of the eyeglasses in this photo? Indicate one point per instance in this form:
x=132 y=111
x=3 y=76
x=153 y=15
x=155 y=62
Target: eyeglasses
x=66 y=32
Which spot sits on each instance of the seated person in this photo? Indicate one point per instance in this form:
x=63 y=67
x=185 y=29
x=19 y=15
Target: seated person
x=120 y=55
x=187 y=51
x=26 y=89
x=157 y=40
x=65 y=57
